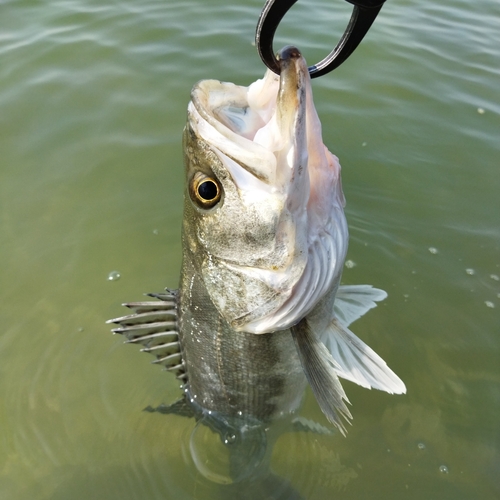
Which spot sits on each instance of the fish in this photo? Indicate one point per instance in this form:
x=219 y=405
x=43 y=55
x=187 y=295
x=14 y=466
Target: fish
x=259 y=312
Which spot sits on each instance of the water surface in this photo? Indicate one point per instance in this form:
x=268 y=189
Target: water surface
x=92 y=106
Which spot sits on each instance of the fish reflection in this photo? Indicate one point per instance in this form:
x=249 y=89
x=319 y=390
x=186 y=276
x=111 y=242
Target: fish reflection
x=289 y=458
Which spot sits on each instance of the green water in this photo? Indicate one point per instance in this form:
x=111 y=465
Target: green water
x=92 y=105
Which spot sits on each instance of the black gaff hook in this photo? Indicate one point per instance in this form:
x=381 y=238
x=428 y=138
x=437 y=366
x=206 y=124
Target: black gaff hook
x=363 y=15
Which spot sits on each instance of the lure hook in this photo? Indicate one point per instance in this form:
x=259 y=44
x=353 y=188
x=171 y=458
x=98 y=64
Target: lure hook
x=363 y=15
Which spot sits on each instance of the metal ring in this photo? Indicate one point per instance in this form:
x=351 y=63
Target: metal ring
x=363 y=15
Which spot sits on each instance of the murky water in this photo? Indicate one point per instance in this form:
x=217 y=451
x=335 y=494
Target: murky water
x=92 y=106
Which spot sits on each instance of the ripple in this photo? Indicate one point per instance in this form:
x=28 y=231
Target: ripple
x=311 y=463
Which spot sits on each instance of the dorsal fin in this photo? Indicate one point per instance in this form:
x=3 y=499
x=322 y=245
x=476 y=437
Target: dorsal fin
x=154 y=325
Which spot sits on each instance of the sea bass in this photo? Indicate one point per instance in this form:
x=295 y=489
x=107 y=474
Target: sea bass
x=259 y=311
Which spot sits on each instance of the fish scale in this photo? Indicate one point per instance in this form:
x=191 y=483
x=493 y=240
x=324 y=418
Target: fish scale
x=236 y=372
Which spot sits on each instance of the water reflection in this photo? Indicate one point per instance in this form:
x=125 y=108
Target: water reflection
x=235 y=457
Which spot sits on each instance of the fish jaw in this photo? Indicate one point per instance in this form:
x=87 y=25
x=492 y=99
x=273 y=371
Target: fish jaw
x=274 y=244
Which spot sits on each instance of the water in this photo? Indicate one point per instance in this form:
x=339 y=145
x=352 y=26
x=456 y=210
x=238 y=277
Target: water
x=92 y=106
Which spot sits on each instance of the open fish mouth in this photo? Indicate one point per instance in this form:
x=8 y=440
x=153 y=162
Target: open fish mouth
x=255 y=125
x=276 y=173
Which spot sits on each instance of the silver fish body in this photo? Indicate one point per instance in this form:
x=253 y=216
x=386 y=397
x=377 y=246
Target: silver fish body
x=234 y=373
x=259 y=311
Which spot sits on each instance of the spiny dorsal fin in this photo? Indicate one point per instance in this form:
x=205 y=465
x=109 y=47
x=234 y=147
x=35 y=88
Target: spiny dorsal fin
x=320 y=370
x=154 y=325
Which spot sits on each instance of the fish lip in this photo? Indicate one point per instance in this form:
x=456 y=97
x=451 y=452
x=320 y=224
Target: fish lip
x=293 y=76
x=287 y=55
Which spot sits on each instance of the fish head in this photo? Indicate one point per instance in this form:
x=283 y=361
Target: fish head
x=263 y=221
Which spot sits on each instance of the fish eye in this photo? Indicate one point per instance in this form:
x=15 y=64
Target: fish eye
x=208 y=190
x=205 y=190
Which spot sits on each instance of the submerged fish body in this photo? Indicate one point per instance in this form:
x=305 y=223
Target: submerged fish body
x=259 y=311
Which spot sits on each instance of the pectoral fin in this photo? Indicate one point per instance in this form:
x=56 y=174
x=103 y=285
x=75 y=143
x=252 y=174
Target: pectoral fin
x=181 y=407
x=353 y=301
x=302 y=424
x=357 y=362
x=321 y=372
